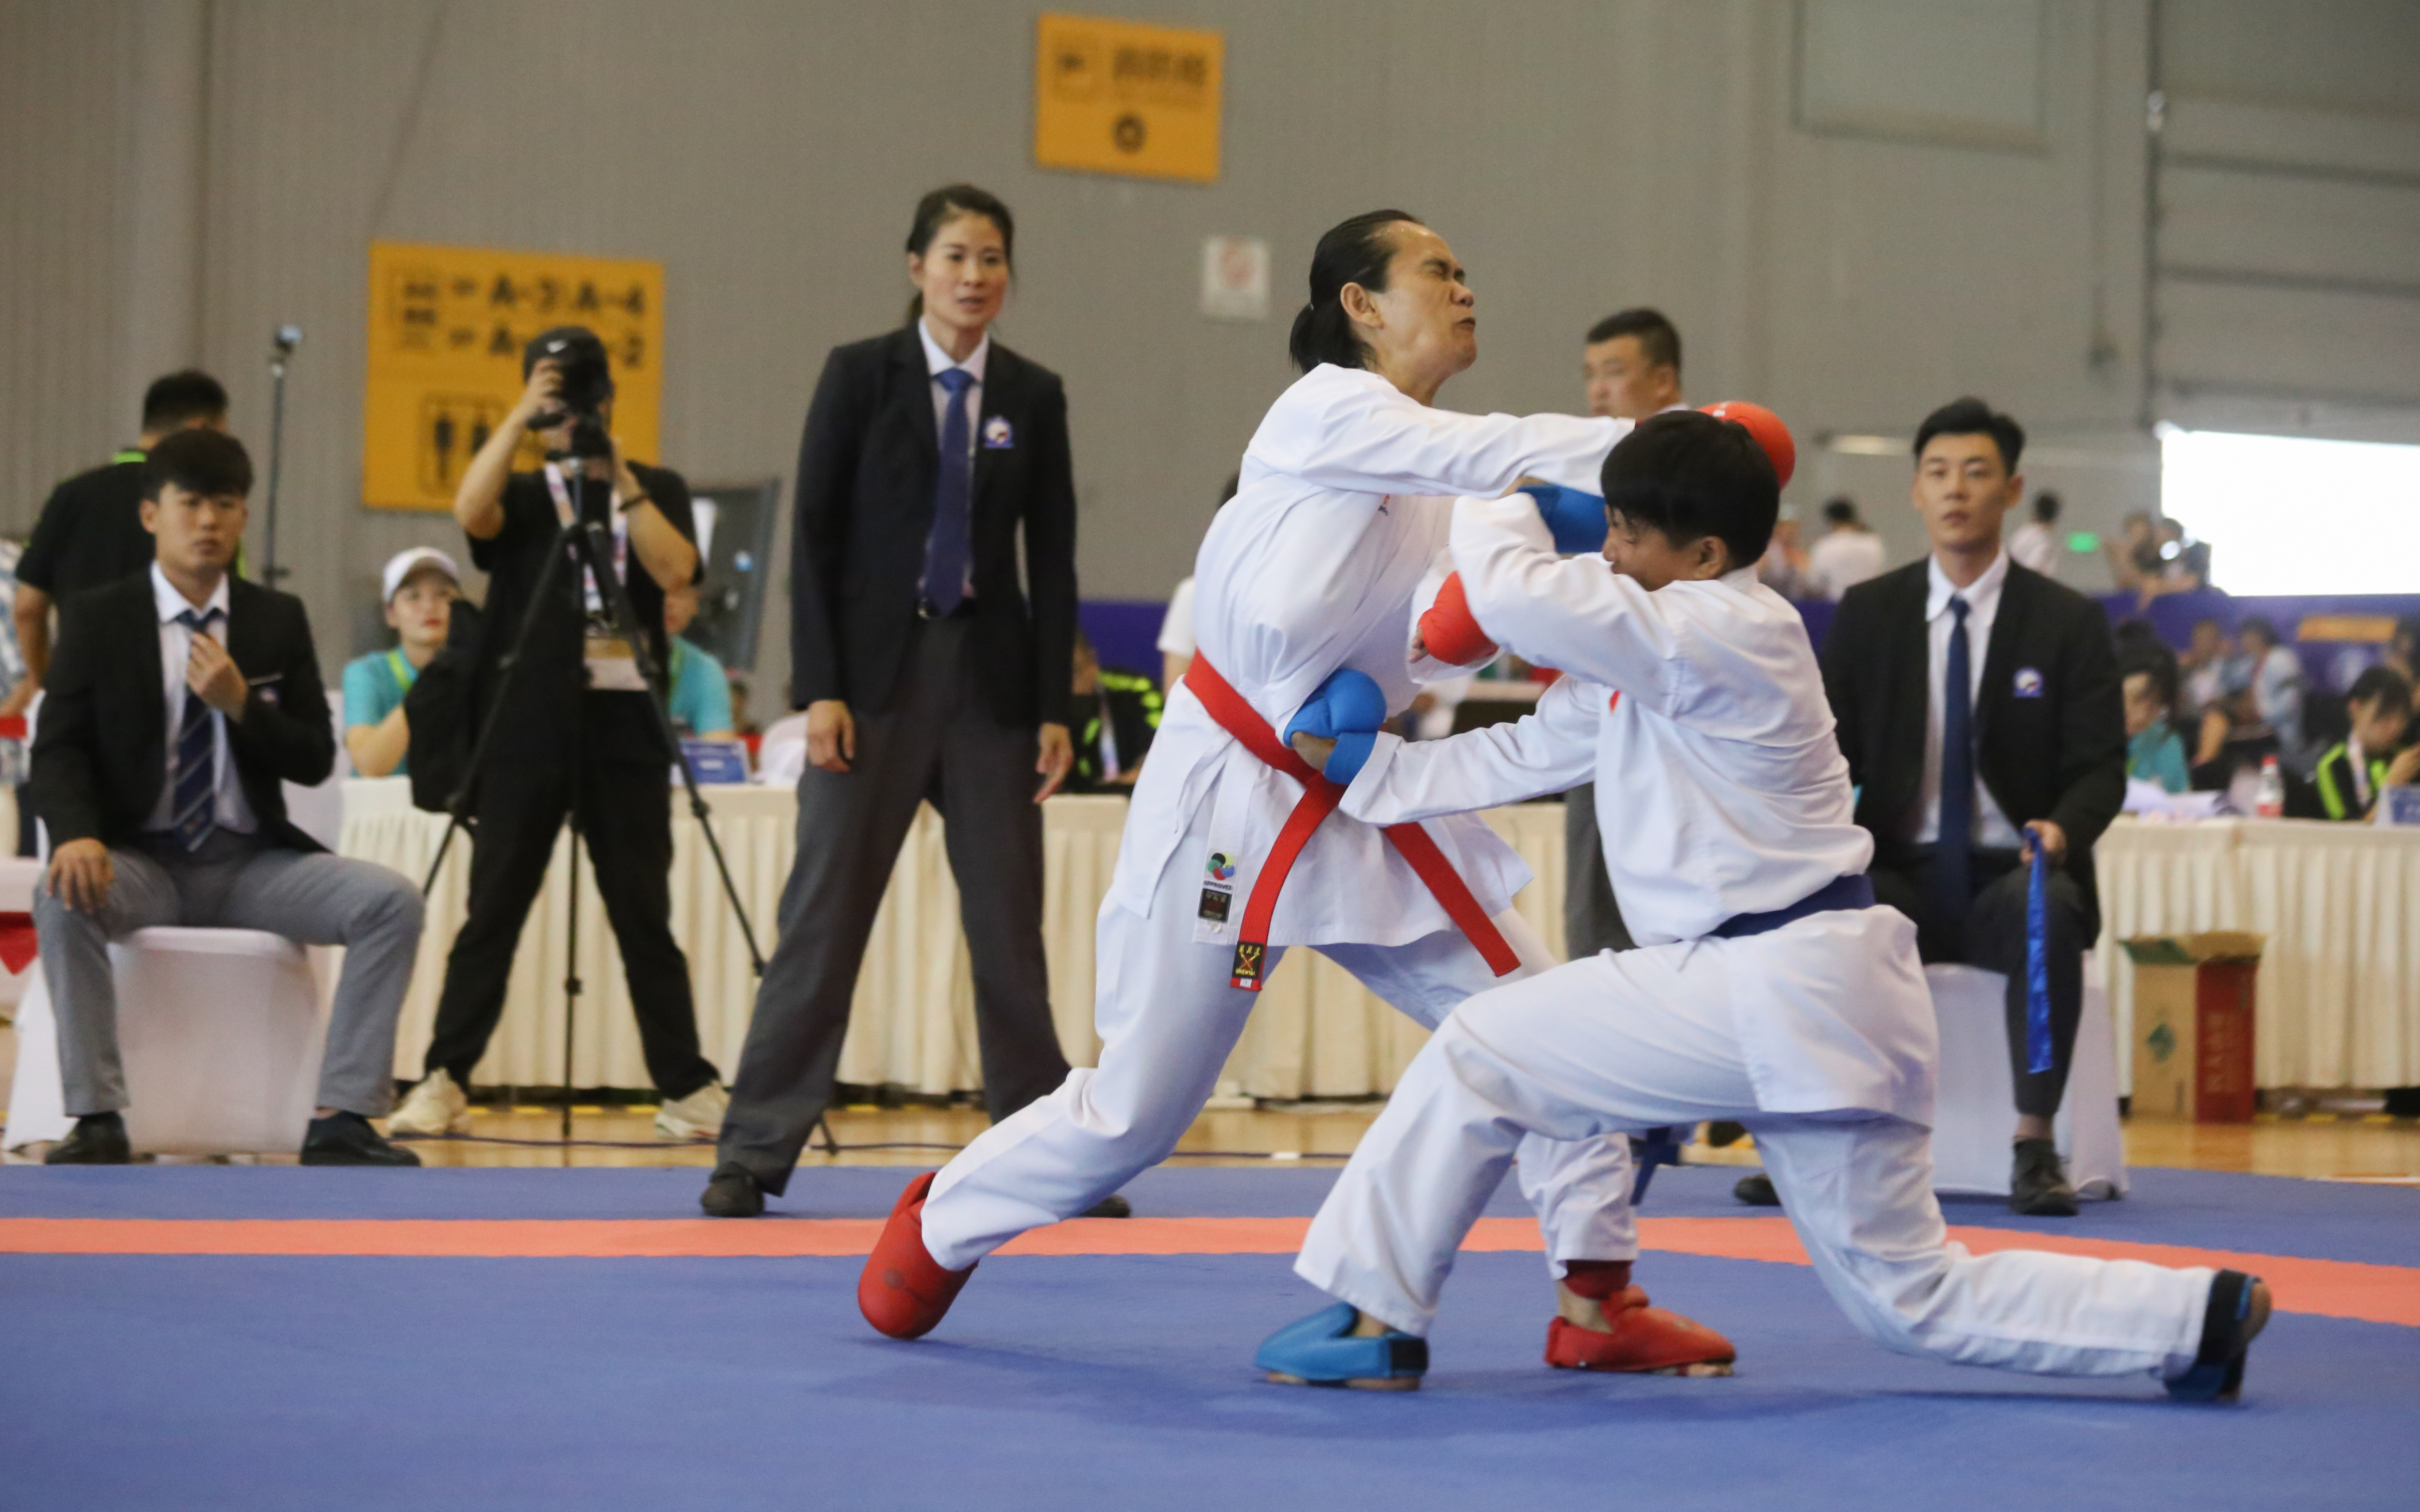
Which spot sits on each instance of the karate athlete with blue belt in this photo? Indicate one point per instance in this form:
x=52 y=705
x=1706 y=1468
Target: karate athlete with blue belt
x=1767 y=988
x=1306 y=593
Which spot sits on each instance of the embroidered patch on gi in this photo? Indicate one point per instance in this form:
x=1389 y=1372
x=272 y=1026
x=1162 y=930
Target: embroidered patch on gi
x=2029 y=683
x=997 y=436
x=1222 y=868
x=1214 y=903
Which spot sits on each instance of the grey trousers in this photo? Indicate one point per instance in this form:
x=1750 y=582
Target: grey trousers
x=1591 y=921
x=237 y=882
x=936 y=742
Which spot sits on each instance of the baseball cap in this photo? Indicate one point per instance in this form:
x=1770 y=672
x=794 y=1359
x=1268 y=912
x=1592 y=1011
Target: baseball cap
x=567 y=344
x=403 y=565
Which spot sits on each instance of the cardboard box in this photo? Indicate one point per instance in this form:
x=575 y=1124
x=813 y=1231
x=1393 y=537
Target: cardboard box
x=2194 y=1025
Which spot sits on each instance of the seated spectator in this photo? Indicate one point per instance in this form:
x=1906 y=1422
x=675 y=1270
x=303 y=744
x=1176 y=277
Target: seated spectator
x=1783 y=566
x=2205 y=667
x=2402 y=651
x=2134 y=556
x=2184 y=562
x=421 y=586
x=2035 y=544
x=2233 y=739
x=2153 y=751
x=2276 y=676
x=1116 y=714
x=700 y=700
x=170 y=811
x=2357 y=769
x=1847 y=554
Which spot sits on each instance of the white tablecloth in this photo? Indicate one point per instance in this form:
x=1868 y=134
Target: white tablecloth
x=2339 y=984
x=1316 y=1033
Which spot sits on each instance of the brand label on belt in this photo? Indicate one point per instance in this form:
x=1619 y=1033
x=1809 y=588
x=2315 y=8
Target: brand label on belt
x=1248 y=964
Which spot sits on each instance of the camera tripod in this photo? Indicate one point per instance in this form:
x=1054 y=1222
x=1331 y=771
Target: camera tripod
x=585 y=540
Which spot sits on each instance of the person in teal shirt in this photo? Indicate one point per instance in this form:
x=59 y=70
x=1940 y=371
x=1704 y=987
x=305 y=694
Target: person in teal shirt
x=701 y=689
x=2153 y=752
x=421 y=586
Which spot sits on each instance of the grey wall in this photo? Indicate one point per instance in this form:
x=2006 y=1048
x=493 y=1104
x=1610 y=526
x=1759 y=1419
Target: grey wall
x=1854 y=209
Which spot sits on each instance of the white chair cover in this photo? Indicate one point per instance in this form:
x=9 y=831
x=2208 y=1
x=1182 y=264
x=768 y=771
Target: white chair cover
x=1975 y=1118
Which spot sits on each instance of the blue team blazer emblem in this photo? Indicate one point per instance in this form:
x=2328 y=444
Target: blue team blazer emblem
x=997 y=436
x=2029 y=683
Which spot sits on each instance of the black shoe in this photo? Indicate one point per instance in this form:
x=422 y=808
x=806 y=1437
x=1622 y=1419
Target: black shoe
x=1723 y=1133
x=1113 y=1205
x=2233 y=1318
x=2037 y=1187
x=97 y=1139
x=732 y=1192
x=1757 y=1191
x=348 y=1139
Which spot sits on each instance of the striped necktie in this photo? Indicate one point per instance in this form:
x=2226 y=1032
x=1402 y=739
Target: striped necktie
x=195 y=779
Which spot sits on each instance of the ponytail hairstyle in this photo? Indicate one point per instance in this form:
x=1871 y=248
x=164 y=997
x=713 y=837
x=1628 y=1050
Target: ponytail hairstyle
x=1353 y=252
x=944 y=205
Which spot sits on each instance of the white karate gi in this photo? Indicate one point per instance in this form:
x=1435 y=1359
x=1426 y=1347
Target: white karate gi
x=1333 y=544
x=1721 y=792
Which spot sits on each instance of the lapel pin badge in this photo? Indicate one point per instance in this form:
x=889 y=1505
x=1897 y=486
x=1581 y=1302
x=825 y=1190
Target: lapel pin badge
x=997 y=436
x=2029 y=683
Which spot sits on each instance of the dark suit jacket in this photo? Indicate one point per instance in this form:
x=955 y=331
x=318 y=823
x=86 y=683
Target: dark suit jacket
x=100 y=746
x=2058 y=753
x=867 y=466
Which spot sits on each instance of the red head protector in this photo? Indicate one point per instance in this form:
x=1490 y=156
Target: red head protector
x=1769 y=431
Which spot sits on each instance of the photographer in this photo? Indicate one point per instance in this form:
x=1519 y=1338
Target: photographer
x=576 y=736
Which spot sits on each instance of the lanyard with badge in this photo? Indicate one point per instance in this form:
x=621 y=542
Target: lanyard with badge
x=612 y=666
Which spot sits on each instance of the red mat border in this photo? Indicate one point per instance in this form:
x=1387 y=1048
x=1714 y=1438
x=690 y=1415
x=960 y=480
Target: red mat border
x=2331 y=1288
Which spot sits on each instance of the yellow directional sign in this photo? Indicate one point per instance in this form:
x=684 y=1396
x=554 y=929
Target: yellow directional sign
x=1115 y=97
x=446 y=329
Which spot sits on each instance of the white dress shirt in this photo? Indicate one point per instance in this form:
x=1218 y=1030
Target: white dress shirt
x=1992 y=828
x=1334 y=543
x=936 y=363
x=2035 y=545
x=1720 y=789
x=1841 y=560
x=231 y=810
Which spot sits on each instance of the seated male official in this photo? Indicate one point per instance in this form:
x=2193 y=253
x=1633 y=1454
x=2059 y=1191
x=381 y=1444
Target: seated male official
x=575 y=738
x=1114 y=716
x=167 y=810
x=90 y=530
x=1978 y=703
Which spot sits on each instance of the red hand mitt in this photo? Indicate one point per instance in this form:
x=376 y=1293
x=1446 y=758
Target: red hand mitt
x=1449 y=632
x=1769 y=431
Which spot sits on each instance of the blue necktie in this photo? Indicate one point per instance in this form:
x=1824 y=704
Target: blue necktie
x=1952 y=872
x=945 y=549
x=195 y=781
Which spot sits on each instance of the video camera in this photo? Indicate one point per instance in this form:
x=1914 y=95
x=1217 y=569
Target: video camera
x=587 y=384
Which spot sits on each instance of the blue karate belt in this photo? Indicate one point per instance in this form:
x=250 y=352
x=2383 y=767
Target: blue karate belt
x=2037 y=1048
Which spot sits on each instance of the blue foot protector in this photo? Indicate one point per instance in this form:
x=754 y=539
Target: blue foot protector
x=1319 y=1350
x=2226 y=1331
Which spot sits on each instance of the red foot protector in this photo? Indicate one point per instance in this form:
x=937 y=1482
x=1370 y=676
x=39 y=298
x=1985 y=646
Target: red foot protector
x=903 y=1292
x=1447 y=630
x=1643 y=1339
x=1769 y=431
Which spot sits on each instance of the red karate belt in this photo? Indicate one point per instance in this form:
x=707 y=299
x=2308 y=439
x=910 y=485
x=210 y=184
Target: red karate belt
x=1320 y=797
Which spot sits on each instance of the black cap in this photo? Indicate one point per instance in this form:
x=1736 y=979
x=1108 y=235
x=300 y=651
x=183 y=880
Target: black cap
x=570 y=345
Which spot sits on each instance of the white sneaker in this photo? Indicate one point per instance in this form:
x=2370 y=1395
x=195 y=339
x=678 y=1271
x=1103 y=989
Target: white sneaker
x=436 y=1106
x=698 y=1116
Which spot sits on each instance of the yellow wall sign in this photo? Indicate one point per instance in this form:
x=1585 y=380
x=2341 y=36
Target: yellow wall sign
x=447 y=326
x=1114 y=97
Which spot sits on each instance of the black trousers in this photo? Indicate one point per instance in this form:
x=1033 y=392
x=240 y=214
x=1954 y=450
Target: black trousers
x=625 y=821
x=1992 y=935
x=1591 y=922
x=935 y=743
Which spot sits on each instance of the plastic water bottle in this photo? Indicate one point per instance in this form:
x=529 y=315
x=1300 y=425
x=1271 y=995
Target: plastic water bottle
x=2269 y=799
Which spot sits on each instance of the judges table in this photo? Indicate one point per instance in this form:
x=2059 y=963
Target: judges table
x=1316 y=1032
x=2339 y=983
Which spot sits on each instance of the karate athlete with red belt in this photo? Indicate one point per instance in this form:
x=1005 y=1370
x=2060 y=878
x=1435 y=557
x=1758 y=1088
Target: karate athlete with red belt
x=1767 y=987
x=1306 y=593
